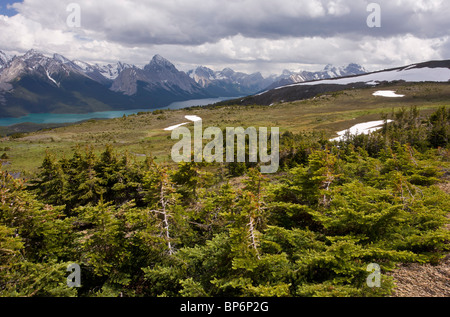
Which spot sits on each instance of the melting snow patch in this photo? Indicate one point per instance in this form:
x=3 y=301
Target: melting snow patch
x=425 y=74
x=48 y=75
x=190 y=118
x=175 y=126
x=387 y=93
x=193 y=118
x=362 y=128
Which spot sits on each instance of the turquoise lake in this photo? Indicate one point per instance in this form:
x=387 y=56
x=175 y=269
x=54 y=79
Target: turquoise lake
x=70 y=118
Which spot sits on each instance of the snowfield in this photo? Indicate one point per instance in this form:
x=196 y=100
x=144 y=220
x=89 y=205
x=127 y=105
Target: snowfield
x=409 y=75
x=190 y=118
x=175 y=126
x=388 y=94
x=362 y=128
x=193 y=118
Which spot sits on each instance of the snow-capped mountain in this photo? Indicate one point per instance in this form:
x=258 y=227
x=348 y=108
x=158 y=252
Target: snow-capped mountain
x=112 y=71
x=433 y=71
x=203 y=76
x=330 y=71
x=52 y=68
x=227 y=82
x=104 y=74
x=160 y=70
x=230 y=83
x=158 y=75
x=4 y=59
x=36 y=83
x=35 y=63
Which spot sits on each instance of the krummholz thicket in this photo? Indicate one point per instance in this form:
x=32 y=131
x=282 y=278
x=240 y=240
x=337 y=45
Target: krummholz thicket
x=138 y=228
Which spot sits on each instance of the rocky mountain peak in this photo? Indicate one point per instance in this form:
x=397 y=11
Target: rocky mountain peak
x=32 y=54
x=355 y=69
x=4 y=59
x=159 y=61
x=60 y=58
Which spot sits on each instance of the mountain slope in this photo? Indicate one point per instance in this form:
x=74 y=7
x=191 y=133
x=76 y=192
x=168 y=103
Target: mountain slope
x=437 y=71
x=35 y=83
x=72 y=94
x=433 y=71
x=4 y=59
x=159 y=81
x=288 y=77
x=228 y=82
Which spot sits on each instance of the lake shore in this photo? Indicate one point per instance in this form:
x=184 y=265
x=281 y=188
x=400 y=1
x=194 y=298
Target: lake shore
x=53 y=118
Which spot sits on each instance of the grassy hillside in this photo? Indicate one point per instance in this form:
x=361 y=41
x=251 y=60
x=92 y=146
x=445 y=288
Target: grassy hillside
x=139 y=227
x=144 y=133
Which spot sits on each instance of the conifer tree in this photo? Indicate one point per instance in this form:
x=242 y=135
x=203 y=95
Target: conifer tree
x=89 y=189
x=245 y=218
x=34 y=241
x=188 y=176
x=162 y=199
x=85 y=185
x=51 y=182
x=440 y=128
x=103 y=245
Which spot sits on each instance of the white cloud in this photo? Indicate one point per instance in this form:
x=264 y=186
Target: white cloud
x=338 y=8
x=245 y=34
x=400 y=50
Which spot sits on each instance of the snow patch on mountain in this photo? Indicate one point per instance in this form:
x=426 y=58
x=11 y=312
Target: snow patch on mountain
x=112 y=71
x=228 y=82
x=49 y=77
x=4 y=59
x=190 y=118
x=423 y=74
x=361 y=128
x=193 y=118
x=329 y=72
x=388 y=94
x=61 y=59
x=83 y=65
x=175 y=126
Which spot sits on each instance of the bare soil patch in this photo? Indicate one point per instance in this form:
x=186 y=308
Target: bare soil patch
x=415 y=280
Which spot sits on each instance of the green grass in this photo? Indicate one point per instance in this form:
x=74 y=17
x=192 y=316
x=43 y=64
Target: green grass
x=144 y=134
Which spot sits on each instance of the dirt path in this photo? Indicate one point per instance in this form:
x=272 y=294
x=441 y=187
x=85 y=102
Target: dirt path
x=415 y=280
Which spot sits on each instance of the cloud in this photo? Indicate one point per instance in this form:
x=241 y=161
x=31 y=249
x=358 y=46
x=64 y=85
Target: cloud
x=246 y=33
x=196 y=22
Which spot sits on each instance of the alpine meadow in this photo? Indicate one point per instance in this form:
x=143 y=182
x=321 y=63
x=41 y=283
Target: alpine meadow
x=337 y=186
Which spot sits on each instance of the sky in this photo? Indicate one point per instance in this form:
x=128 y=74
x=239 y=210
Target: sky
x=246 y=35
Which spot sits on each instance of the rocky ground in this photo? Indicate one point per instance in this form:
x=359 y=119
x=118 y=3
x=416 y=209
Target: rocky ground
x=415 y=280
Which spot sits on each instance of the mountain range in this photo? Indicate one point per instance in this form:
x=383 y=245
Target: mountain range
x=431 y=71
x=36 y=83
x=330 y=71
x=227 y=82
